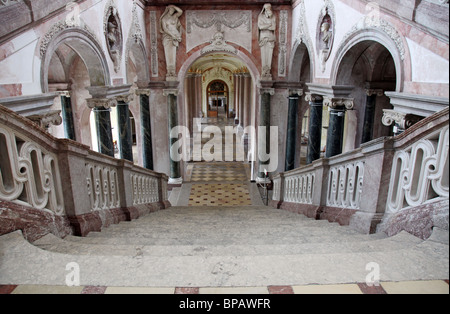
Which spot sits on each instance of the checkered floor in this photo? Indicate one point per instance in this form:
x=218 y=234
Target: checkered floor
x=218 y=172
x=219 y=184
x=220 y=195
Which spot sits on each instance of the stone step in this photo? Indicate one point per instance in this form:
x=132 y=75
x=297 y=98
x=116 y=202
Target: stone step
x=116 y=247
x=24 y=263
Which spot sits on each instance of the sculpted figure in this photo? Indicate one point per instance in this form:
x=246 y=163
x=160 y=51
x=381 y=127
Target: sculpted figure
x=171 y=30
x=326 y=34
x=267 y=24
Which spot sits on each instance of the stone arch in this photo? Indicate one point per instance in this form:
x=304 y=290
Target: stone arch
x=385 y=35
x=372 y=61
x=84 y=44
x=300 y=53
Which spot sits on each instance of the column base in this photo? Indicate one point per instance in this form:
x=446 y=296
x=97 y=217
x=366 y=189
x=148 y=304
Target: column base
x=263 y=180
x=177 y=181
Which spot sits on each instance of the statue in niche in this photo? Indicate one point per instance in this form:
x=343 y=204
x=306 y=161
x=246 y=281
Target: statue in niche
x=326 y=34
x=267 y=24
x=114 y=38
x=171 y=30
x=325 y=40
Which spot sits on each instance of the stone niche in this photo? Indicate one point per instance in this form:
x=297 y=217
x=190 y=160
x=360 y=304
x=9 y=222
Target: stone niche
x=113 y=34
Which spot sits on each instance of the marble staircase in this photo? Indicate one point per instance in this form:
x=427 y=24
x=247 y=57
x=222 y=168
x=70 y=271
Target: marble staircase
x=221 y=247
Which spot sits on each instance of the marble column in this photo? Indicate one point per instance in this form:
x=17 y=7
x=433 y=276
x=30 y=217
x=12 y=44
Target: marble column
x=146 y=128
x=125 y=131
x=247 y=100
x=67 y=116
x=175 y=167
x=335 y=136
x=199 y=95
x=291 y=138
x=266 y=94
x=236 y=98
x=102 y=112
x=242 y=100
x=315 y=126
x=369 y=117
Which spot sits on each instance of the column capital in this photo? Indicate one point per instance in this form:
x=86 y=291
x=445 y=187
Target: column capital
x=106 y=103
x=126 y=98
x=336 y=103
x=64 y=93
x=270 y=91
x=403 y=120
x=143 y=91
x=296 y=92
x=170 y=91
x=374 y=91
x=52 y=117
x=310 y=97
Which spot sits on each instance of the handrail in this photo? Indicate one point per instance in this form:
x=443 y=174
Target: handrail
x=66 y=179
x=377 y=179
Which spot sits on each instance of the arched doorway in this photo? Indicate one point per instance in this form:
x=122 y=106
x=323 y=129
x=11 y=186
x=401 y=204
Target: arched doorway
x=370 y=68
x=217 y=99
x=72 y=61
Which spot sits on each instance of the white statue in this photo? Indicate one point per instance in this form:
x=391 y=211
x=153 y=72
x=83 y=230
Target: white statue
x=267 y=24
x=171 y=30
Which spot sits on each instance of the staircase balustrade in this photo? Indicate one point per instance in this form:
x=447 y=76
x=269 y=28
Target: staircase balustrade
x=66 y=179
x=370 y=184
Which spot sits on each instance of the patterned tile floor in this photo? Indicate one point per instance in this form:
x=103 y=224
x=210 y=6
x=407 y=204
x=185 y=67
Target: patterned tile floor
x=407 y=287
x=218 y=194
x=218 y=172
x=219 y=184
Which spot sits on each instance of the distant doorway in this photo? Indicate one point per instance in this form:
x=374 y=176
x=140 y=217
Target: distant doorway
x=217 y=96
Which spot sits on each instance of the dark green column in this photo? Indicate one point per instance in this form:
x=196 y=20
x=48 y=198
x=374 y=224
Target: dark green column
x=125 y=131
x=67 y=115
x=146 y=129
x=265 y=123
x=315 y=127
x=104 y=132
x=335 y=132
x=335 y=137
x=291 y=133
x=175 y=170
x=369 y=117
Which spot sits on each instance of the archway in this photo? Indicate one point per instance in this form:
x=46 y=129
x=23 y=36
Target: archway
x=217 y=99
x=72 y=61
x=302 y=71
x=371 y=69
x=241 y=109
